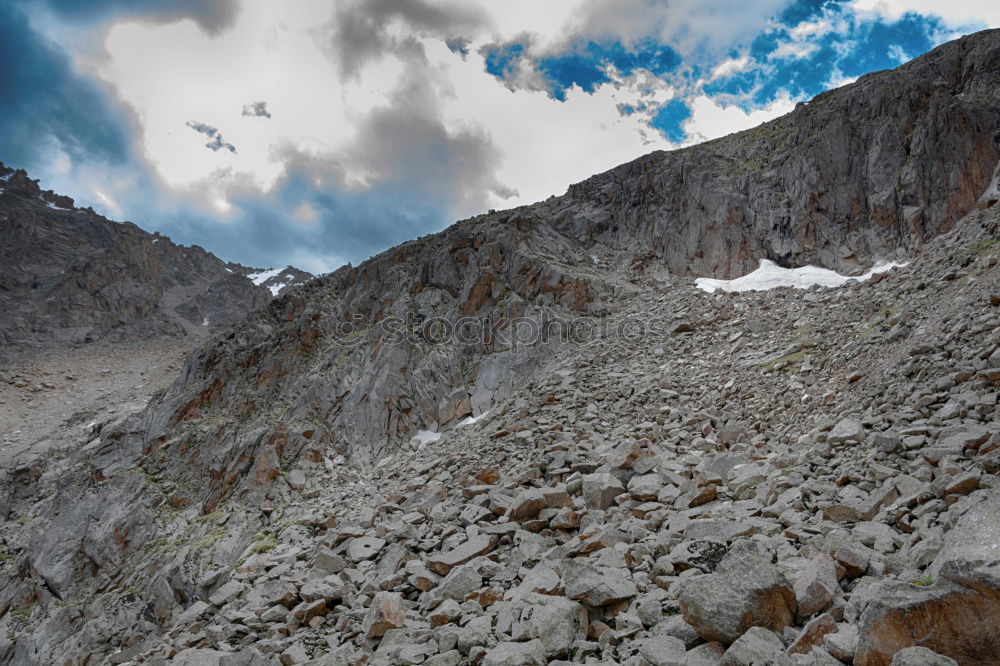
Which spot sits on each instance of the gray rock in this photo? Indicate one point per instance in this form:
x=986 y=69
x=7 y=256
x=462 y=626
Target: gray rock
x=601 y=489
x=529 y=653
x=661 y=650
x=596 y=586
x=816 y=586
x=846 y=430
x=746 y=590
x=756 y=646
x=921 y=656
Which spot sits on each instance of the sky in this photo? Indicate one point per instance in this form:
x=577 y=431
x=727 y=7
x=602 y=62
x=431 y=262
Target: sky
x=316 y=133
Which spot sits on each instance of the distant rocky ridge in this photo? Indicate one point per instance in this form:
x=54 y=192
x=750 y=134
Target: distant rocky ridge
x=788 y=415
x=71 y=276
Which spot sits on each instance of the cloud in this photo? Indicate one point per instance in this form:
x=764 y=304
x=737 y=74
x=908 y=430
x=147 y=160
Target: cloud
x=212 y=15
x=48 y=112
x=215 y=140
x=710 y=119
x=956 y=13
x=391 y=119
x=362 y=31
x=256 y=109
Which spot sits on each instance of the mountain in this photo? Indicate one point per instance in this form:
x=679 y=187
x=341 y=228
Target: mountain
x=532 y=438
x=69 y=276
x=279 y=280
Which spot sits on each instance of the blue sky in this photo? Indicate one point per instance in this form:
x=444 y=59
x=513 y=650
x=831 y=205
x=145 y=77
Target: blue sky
x=314 y=133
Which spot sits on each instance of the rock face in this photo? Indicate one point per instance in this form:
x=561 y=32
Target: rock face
x=858 y=172
x=616 y=499
x=68 y=276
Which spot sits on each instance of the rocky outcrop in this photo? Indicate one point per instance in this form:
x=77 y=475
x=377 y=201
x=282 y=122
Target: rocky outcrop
x=69 y=276
x=872 y=169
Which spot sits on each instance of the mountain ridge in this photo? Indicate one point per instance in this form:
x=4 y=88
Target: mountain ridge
x=71 y=276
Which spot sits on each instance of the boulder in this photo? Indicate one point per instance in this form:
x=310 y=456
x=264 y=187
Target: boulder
x=746 y=590
x=755 y=647
x=951 y=619
x=662 y=650
x=386 y=613
x=601 y=489
x=958 y=613
x=596 y=586
x=921 y=656
x=529 y=653
x=556 y=621
x=442 y=563
x=816 y=586
x=846 y=430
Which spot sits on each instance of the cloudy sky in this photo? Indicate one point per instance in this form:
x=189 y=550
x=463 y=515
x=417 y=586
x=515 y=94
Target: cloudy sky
x=317 y=132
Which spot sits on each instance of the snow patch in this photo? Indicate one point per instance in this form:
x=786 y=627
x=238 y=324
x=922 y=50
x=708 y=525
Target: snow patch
x=471 y=420
x=204 y=322
x=53 y=206
x=424 y=437
x=263 y=276
x=770 y=275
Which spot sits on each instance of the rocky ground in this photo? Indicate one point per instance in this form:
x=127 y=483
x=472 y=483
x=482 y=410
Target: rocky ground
x=785 y=477
x=789 y=477
x=58 y=395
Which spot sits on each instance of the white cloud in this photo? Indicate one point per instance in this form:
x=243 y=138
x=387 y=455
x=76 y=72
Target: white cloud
x=810 y=29
x=710 y=119
x=410 y=110
x=954 y=12
x=730 y=66
x=796 y=50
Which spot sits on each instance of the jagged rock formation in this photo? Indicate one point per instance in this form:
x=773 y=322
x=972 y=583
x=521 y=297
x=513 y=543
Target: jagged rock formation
x=70 y=276
x=271 y=499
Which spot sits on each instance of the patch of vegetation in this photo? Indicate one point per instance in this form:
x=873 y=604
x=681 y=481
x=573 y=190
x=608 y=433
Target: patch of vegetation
x=924 y=581
x=264 y=545
x=987 y=247
x=22 y=613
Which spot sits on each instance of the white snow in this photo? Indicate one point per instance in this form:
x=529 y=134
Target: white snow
x=204 y=322
x=424 y=437
x=7 y=177
x=474 y=419
x=770 y=275
x=54 y=207
x=263 y=276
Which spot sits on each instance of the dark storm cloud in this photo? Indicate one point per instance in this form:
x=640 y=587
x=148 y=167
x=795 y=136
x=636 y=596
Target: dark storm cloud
x=256 y=109
x=359 y=32
x=44 y=104
x=213 y=15
x=215 y=140
x=406 y=147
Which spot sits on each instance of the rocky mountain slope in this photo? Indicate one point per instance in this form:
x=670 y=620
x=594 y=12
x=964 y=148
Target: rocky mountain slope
x=70 y=276
x=667 y=477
